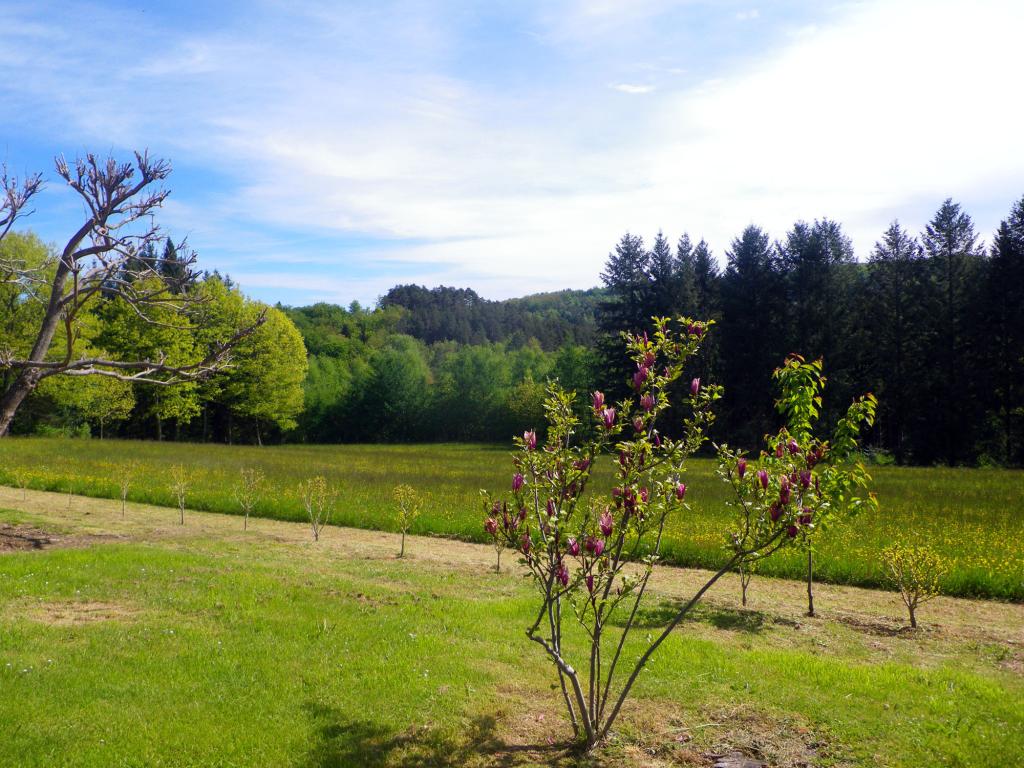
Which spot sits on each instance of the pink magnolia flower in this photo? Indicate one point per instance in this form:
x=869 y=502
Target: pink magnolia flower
x=606 y=523
x=517 y=482
x=491 y=526
x=640 y=377
x=741 y=468
x=784 y=490
x=573 y=547
x=525 y=542
x=680 y=491
x=530 y=440
x=792 y=531
x=805 y=478
x=608 y=417
x=590 y=583
x=695 y=387
x=598 y=547
x=793 y=446
x=563 y=574
x=775 y=510
x=598 y=398
x=638 y=424
x=647 y=402
x=551 y=507
x=762 y=477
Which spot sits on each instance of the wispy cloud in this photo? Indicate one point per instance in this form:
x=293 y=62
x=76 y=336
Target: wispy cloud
x=747 y=15
x=633 y=88
x=344 y=149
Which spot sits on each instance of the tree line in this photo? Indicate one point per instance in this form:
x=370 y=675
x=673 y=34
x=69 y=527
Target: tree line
x=932 y=322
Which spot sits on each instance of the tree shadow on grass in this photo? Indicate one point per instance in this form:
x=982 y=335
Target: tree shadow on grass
x=732 y=619
x=342 y=742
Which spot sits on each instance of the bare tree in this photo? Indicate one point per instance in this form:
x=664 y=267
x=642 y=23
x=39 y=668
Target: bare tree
x=100 y=258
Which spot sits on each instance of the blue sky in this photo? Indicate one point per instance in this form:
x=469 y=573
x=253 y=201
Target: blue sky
x=328 y=150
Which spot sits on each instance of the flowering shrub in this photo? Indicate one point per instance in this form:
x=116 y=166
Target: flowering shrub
x=593 y=560
x=916 y=572
x=248 y=492
x=318 y=500
x=408 y=503
x=180 y=482
x=125 y=477
x=800 y=482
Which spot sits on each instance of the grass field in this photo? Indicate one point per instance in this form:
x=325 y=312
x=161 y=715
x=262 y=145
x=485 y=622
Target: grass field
x=973 y=517
x=140 y=642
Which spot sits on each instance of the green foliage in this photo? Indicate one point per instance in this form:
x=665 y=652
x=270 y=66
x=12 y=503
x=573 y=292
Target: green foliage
x=916 y=571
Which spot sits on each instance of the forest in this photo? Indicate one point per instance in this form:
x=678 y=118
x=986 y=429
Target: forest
x=931 y=322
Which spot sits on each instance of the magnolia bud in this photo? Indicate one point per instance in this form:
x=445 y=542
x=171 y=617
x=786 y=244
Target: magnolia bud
x=741 y=468
x=647 y=402
x=598 y=400
x=573 y=547
x=608 y=417
x=680 y=491
x=762 y=477
x=530 y=440
x=606 y=523
x=695 y=387
x=517 y=482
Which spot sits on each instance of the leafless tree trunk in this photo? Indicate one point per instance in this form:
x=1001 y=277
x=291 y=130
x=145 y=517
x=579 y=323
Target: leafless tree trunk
x=97 y=259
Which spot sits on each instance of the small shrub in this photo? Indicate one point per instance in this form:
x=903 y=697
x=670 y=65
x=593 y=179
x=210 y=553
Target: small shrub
x=180 y=482
x=408 y=502
x=318 y=499
x=915 y=571
x=126 y=476
x=248 y=492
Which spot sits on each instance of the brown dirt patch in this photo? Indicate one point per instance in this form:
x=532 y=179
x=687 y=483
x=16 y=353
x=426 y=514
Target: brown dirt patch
x=27 y=538
x=71 y=614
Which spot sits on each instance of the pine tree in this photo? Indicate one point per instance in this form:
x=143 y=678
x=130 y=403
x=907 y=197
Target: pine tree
x=172 y=268
x=1003 y=327
x=821 y=276
x=664 y=283
x=894 y=318
x=753 y=307
x=685 y=269
x=628 y=306
x=955 y=266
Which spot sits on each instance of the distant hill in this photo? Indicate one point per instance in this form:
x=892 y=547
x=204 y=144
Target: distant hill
x=461 y=315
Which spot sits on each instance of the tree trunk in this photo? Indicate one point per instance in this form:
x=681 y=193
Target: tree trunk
x=743 y=588
x=259 y=437
x=810 y=583
x=28 y=379
x=401 y=552
x=913 y=617
x=15 y=395
x=159 y=429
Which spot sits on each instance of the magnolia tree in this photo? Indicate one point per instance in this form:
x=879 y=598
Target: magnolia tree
x=591 y=562
x=809 y=482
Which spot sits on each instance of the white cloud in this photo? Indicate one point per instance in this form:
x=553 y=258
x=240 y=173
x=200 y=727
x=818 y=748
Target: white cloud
x=747 y=15
x=632 y=88
x=369 y=129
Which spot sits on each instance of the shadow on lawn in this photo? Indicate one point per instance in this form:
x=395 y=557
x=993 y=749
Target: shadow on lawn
x=733 y=619
x=342 y=743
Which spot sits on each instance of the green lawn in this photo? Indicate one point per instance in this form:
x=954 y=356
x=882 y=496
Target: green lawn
x=206 y=646
x=973 y=517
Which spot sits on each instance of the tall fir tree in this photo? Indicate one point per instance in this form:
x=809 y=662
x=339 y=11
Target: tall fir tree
x=753 y=308
x=821 y=276
x=664 y=280
x=686 y=276
x=626 y=308
x=895 y=321
x=1003 y=328
x=956 y=263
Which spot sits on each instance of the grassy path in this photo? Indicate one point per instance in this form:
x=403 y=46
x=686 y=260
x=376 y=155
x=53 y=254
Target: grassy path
x=138 y=641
